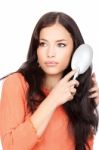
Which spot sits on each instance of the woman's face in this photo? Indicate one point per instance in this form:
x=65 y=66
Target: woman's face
x=55 y=49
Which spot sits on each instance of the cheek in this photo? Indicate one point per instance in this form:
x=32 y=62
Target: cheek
x=65 y=63
x=40 y=56
x=65 y=59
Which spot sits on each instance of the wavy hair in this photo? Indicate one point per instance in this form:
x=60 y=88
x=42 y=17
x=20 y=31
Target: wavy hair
x=81 y=110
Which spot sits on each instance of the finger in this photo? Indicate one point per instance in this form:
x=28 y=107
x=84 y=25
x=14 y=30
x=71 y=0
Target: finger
x=93 y=74
x=69 y=75
x=93 y=89
x=73 y=83
x=95 y=95
x=94 y=79
x=73 y=91
x=71 y=97
x=97 y=101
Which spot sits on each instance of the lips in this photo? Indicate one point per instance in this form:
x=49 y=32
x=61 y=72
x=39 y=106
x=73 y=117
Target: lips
x=51 y=63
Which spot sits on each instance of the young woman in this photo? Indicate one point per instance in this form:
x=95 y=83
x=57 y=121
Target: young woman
x=42 y=107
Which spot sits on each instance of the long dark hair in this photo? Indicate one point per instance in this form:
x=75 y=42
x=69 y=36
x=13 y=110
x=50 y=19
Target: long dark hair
x=81 y=111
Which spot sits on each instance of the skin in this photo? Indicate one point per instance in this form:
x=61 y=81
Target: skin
x=57 y=48
x=94 y=91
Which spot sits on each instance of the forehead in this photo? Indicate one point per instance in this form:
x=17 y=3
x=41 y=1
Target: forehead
x=55 y=31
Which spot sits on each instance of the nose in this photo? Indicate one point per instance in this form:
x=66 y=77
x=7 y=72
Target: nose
x=51 y=51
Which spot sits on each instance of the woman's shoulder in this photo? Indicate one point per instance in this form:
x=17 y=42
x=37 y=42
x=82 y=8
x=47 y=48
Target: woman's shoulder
x=15 y=79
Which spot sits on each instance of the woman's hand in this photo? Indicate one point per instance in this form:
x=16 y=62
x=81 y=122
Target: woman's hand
x=94 y=91
x=64 y=90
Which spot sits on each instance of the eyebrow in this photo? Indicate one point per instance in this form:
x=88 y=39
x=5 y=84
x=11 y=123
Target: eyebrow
x=56 y=40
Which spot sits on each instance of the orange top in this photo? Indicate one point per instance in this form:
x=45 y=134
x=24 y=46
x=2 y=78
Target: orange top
x=16 y=130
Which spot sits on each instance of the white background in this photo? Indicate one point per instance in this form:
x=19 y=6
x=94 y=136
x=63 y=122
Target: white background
x=18 y=18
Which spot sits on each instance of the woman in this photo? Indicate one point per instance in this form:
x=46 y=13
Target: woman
x=42 y=107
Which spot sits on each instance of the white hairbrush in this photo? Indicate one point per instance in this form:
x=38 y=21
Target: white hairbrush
x=82 y=59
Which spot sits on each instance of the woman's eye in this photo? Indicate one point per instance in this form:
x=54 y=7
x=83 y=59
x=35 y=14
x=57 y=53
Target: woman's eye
x=61 y=45
x=42 y=44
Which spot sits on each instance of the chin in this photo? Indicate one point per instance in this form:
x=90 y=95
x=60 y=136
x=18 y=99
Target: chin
x=53 y=72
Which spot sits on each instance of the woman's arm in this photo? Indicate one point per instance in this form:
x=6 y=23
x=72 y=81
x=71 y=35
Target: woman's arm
x=61 y=93
x=16 y=132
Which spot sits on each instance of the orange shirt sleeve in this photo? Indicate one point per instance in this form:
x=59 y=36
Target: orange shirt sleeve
x=16 y=132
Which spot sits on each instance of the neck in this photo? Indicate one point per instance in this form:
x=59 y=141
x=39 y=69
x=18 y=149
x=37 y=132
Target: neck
x=50 y=81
